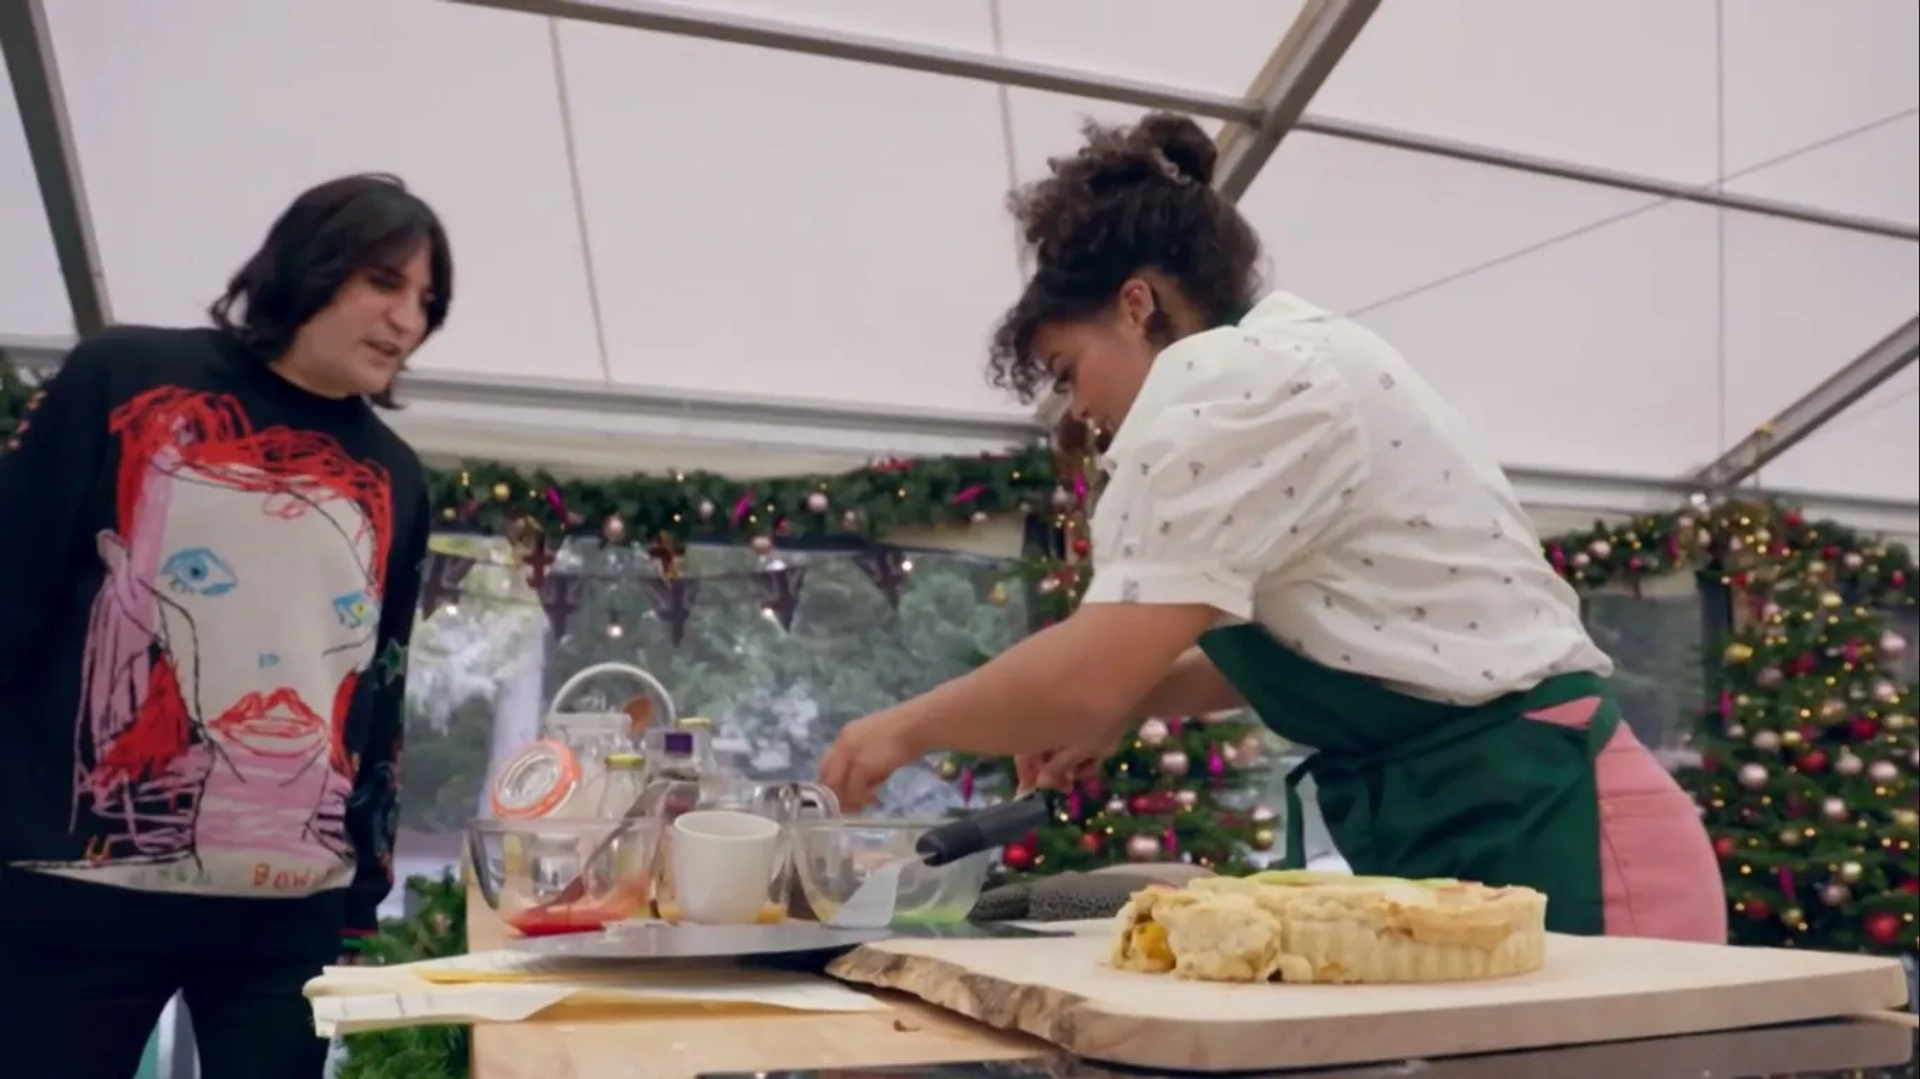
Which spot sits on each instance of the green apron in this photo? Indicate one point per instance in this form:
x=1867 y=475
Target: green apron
x=1414 y=788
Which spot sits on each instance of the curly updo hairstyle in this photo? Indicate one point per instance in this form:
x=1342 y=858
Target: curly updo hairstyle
x=1131 y=200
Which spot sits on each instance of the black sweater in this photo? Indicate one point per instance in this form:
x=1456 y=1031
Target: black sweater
x=208 y=578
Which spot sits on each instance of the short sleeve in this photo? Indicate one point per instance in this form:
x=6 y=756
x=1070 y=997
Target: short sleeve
x=1250 y=452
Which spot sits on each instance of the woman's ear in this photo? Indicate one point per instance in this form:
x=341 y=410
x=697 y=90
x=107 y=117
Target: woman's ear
x=1138 y=305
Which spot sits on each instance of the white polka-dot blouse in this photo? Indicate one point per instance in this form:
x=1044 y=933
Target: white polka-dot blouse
x=1293 y=470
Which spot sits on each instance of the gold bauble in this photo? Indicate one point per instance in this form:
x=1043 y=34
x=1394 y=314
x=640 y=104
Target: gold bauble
x=1851 y=872
x=1906 y=819
x=1816 y=568
x=998 y=596
x=1831 y=601
x=1790 y=738
x=1897 y=722
x=1739 y=652
x=1263 y=839
x=502 y=492
x=1832 y=708
x=948 y=769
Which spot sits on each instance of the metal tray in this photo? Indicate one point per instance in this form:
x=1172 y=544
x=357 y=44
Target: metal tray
x=659 y=940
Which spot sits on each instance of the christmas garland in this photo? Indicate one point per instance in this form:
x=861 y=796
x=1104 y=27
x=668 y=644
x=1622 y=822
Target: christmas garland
x=855 y=507
x=15 y=397
x=436 y=929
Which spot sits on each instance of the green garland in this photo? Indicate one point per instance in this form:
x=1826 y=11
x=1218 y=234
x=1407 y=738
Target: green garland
x=860 y=506
x=436 y=929
x=15 y=397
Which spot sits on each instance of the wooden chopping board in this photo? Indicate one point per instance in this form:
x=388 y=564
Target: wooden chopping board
x=1593 y=989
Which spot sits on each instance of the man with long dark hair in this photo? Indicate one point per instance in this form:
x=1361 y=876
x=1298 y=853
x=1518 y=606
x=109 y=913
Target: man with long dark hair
x=210 y=575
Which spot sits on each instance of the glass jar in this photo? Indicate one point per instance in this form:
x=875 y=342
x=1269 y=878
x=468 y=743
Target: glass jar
x=592 y=735
x=626 y=781
x=541 y=780
x=565 y=772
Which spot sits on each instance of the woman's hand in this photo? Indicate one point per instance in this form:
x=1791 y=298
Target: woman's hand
x=1060 y=769
x=864 y=754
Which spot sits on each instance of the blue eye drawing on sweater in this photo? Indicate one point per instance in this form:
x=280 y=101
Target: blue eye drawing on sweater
x=355 y=610
x=197 y=571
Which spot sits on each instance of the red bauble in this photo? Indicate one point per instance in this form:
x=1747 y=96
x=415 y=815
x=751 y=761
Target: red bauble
x=1881 y=928
x=1793 y=519
x=1141 y=804
x=1090 y=842
x=1017 y=857
x=1863 y=729
x=1759 y=909
x=1813 y=760
x=1081 y=546
x=1911 y=885
x=1725 y=847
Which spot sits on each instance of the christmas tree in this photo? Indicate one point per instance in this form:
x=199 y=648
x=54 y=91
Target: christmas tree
x=1180 y=789
x=1177 y=791
x=1809 y=753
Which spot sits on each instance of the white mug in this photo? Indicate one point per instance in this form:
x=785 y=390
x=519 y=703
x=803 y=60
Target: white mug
x=725 y=864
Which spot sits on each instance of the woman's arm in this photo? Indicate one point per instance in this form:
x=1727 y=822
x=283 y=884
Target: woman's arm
x=1193 y=686
x=1059 y=686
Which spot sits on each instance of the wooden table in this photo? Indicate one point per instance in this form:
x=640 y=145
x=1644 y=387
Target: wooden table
x=623 y=1047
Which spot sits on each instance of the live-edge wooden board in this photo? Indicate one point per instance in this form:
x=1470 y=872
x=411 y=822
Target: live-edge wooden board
x=1593 y=989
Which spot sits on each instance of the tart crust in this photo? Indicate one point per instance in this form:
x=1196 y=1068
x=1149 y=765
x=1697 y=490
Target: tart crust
x=1331 y=928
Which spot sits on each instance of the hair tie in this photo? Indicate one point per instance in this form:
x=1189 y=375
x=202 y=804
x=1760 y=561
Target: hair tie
x=1167 y=166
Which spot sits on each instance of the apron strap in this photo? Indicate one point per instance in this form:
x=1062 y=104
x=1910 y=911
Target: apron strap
x=1295 y=856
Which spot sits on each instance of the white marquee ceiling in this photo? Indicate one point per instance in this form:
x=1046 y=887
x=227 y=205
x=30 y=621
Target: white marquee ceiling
x=690 y=220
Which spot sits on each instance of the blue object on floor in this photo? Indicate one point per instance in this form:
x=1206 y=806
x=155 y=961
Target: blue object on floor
x=150 y=1060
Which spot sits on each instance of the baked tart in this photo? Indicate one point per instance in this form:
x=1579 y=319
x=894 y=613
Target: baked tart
x=1302 y=926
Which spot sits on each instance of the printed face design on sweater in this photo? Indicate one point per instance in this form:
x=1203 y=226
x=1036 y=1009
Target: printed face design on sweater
x=267 y=677
x=240 y=609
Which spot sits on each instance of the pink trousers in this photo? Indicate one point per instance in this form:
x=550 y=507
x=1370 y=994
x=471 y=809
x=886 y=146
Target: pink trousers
x=1658 y=873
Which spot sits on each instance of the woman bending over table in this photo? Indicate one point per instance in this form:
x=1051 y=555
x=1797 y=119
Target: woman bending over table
x=1295 y=522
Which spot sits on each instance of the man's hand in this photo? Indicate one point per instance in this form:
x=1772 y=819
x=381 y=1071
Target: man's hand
x=865 y=753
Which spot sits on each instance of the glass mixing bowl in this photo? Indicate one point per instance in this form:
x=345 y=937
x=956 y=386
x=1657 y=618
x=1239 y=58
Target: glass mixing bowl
x=833 y=858
x=545 y=876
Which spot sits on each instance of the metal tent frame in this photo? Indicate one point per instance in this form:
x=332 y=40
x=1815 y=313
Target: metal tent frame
x=1256 y=123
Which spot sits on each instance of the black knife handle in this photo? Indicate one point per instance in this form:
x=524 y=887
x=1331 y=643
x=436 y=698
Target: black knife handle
x=993 y=827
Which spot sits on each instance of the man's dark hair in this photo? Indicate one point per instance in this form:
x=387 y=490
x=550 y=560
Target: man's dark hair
x=327 y=235
x=1132 y=199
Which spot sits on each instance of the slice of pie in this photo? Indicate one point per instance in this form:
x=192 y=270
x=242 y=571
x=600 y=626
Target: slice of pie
x=1325 y=927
